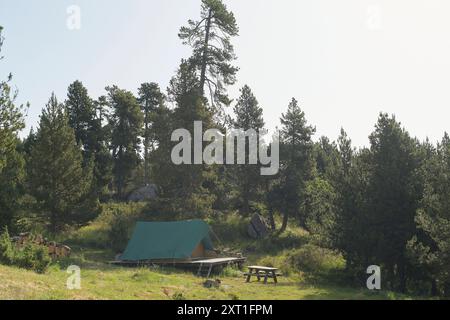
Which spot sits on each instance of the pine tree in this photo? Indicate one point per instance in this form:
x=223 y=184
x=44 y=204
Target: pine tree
x=296 y=161
x=12 y=178
x=126 y=128
x=327 y=158
x=393 y=197
x=161 y=164
x=350 y=181
x=187 y=186
x=86 y=117
x=345 y=181
x=431 y=247
x=11 y=161
x=319 y=206
x=151 y=99
x=319 y=203
x=81 y=113
x=103 y=169
x=11 y=116
x=57 y=178
x=213 y=53
x=248 y=115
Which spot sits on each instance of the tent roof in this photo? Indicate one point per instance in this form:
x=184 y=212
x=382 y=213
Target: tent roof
x=166 y=240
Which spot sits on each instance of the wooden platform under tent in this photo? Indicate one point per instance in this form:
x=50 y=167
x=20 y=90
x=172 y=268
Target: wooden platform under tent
x=202 y=266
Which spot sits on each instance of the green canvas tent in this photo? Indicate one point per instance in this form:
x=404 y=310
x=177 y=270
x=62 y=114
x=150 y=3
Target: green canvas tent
x=168 y=240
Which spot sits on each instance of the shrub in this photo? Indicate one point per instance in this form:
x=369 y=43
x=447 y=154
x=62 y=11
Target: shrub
x=33 y=257
x=7 y=251
x=258 y=208
x=288 y=240
x=311 y=258
x=280 y=261
x=118 y=234
x=99 y=233
x=230 y=271
x=228 y=227
x=192 y=207
x=30 y=256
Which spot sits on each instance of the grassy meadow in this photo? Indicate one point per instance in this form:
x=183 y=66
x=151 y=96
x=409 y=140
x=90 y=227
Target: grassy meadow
x=309 y=272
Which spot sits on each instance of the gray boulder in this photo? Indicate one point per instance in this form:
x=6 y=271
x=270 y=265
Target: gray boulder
x=149 y=192
x=258 y=227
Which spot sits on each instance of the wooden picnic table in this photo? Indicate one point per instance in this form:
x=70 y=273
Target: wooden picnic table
x=260 y=271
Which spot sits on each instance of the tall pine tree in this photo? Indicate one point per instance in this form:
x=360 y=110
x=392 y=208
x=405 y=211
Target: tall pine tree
x=248 y=116
x=87 y=117
x=213 y=53
x=296 y=162
x=57 y=178
x=151 y=100
x=186 y=186
x=431 y=247
x=126 y=129
x=393 y=197
x=11 y=161
x=11 y=116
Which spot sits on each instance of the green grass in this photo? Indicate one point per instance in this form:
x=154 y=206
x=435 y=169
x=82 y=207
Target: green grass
x=99 y=280
x=102 y=281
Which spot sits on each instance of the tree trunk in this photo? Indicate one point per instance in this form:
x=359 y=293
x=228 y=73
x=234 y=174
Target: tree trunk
x=53 y=222
x=402 y=277
x=146 y=146
x=434 y=289
x=285 y=223
x=205 y=53
x=272 y=220
x=246 y=200
x=120 y=175
x=447 y=290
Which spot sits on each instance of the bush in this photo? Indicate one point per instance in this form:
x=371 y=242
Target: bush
x=118 y=234
x=280 y=261
x=33 y=257
x=289 y=240
x=314 y=259
x=176 y=208
x=7 y=251
x=99 y=233
x=230 y=228
x=30 y=256
x=230 y=271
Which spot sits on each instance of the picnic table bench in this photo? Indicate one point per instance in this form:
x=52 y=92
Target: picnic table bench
x=260 y=271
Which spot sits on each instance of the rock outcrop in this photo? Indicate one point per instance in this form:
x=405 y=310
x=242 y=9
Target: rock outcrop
x=258 y=227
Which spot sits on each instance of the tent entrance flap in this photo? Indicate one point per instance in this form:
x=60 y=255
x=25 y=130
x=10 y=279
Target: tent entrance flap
x=168 y=240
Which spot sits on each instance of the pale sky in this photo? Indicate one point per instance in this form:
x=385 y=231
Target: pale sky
x=345 y=61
